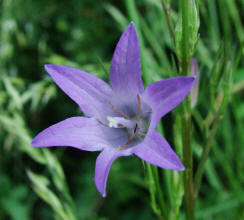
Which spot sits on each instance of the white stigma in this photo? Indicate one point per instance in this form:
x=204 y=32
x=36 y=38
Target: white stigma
x=113 y=123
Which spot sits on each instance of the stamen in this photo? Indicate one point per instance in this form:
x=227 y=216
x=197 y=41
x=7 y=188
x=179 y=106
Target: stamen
x=118 y=111
x=138 y=114
x=127 y=143
x=140 y=133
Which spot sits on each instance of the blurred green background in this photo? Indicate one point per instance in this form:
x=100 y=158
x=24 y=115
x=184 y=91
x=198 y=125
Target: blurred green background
x=58 y=182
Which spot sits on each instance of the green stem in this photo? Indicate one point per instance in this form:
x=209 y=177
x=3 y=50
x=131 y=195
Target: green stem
x=187 y=121
x=159 y=191
x=177 y=177
x=152 y=189
x=185 y=59
x=187 y=158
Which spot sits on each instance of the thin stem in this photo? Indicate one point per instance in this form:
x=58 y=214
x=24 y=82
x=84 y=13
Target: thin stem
x=187 y=158
x=171 y=28
x=236 y=88
x=159 y=191
x=185 y=59
x=152 y=190
x=204 y=156
x=187 y=121
x=177 y=177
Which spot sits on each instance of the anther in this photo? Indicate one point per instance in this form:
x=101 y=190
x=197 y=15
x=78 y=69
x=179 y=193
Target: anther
x=118 y=111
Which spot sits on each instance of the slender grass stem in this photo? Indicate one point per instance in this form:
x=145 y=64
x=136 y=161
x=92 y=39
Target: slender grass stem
x=200 y=169
x=222 y=101
x=171 y=28
x=159 y=191
x=152 y=189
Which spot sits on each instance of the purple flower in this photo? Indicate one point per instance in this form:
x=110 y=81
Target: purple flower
x=121 y=118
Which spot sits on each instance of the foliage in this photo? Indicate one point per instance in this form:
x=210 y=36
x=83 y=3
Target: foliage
x=58 y=183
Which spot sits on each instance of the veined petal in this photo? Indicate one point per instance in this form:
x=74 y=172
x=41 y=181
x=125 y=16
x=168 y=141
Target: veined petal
x=165 y=95
x=88 y=91
x=79 y=132
x=156 y=150
x=103 y=164
x=125 y=71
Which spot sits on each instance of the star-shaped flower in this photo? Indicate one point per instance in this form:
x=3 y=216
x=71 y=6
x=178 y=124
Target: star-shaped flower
x=121 y=118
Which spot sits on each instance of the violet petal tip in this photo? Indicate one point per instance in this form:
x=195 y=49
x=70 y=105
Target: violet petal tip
x=34 y=143
x=47 y=66
x=181 y=168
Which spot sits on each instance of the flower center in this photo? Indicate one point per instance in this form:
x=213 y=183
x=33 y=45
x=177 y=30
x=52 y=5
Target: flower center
x=136 y=127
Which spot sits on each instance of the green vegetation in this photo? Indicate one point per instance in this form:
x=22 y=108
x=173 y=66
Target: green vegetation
x=58 y=183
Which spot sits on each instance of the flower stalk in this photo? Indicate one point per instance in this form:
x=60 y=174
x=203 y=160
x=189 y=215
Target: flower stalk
x=185 y=37
x=186 y=120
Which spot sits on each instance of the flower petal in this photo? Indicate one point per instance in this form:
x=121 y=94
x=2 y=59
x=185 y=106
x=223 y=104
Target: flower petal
x=125 y=71
x=80 y=132
x=103 y=164
x=156 y=150
x=88 y=91
x=165 y=95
